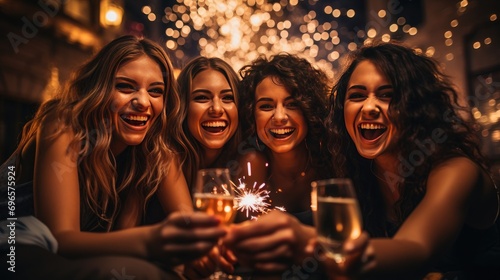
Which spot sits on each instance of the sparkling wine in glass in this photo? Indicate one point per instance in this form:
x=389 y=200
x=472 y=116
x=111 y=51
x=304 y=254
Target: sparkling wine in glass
x=336 y=214
x=214 y=195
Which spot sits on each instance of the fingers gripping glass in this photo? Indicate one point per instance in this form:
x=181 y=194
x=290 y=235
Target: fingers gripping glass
x=336 y=214
x=213 y=195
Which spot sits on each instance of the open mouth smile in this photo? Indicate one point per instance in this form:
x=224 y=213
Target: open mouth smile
x=214 y=126
x=371 y=131
x=135 y=120
x=281 y=132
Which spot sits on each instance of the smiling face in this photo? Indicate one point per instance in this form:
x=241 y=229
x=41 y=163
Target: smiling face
x=212 y=116
x=365 y=111
x=137 y=101
x=279 y=120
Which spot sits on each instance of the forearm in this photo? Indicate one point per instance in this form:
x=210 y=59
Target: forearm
x=130 y=242
x=399 y=257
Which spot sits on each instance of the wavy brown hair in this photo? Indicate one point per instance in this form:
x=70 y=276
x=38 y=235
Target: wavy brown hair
x=84 y=109
x=306 y=84
x=424 y=102
x=185 y=141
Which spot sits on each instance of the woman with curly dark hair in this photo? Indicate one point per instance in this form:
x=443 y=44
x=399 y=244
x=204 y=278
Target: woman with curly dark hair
x=282 y=113
x=425 y=191
x=283 y=109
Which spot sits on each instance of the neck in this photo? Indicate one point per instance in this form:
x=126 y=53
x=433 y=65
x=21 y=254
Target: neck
x=387 y=173
x=209 y=157
x=290 y=164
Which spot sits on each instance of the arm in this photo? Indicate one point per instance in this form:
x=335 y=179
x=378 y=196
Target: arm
x=454 y=189
x=57 y=204
x=174 y=192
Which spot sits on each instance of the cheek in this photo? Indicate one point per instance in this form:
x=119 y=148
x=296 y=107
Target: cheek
x=260 y=121
x=158 y=105
x=232 y=111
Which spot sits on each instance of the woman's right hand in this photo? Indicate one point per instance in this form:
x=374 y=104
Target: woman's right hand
x=359 y=260
x=184 y=236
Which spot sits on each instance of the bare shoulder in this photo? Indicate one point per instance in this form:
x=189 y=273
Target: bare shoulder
x=458 y=169
x=465 y=181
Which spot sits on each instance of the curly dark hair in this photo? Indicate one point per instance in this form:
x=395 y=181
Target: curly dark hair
x=307 y=85
x=426 y=113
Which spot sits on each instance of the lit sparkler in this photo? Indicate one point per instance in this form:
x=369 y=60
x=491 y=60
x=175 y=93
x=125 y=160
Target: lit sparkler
x=254 y=198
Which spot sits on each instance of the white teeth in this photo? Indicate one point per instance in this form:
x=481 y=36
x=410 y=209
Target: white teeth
x=282 y=130
x=214 y=124
x=371 y=126
x=135 y=118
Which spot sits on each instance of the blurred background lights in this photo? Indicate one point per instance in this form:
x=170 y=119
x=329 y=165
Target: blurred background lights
x=239 y=31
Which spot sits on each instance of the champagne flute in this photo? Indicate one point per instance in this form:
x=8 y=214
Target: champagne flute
x=336 y=215
x=214 y=195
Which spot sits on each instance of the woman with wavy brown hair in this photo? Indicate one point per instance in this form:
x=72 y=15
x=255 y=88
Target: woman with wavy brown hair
x=208 y=89
x=97 y=155
x=427 y=198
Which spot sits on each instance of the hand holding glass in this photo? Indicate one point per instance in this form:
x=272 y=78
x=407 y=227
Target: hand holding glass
x=336 y=214
x=213 y=195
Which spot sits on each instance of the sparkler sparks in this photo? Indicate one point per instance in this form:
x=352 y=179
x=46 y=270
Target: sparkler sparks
x=252 y=199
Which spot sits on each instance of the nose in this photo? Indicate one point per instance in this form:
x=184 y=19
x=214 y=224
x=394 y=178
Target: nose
x=370 y=107
x=141 y=100
x=216 y=108
x=280 y=115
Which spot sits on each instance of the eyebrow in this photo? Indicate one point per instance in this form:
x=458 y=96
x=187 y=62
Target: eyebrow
x=269 y=99
x=202 y=90
x=134 y=82
x=364 y=88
